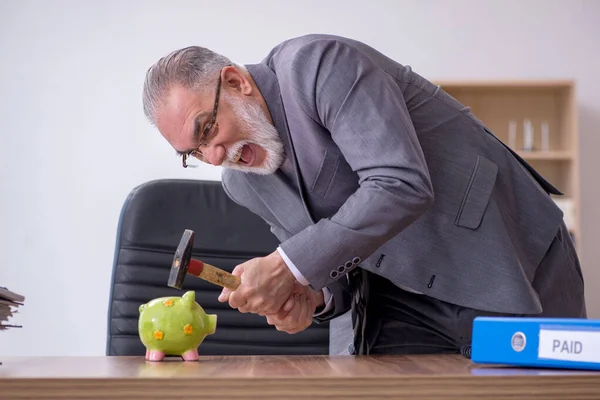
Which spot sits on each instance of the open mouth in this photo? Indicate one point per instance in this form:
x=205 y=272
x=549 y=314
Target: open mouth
x=244 y=156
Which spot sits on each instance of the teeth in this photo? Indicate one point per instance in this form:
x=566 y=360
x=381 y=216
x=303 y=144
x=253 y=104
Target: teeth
x=237 y=156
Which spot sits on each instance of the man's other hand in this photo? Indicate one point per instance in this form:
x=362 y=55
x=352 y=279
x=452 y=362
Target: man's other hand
x=300 y=317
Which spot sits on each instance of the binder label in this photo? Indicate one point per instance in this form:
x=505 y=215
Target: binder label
x=569 y=345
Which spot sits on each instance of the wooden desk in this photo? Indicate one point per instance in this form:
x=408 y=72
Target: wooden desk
x=279 y=377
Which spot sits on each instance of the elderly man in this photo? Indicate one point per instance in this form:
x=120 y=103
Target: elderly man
x=389 y=197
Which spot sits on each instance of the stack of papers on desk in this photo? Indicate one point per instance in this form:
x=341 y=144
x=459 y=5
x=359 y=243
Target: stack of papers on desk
x=9 y=305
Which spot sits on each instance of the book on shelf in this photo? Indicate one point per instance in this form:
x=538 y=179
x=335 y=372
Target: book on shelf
x=9 y=306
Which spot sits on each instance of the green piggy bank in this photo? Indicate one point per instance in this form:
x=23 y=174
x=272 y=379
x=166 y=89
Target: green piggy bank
x=174 y=326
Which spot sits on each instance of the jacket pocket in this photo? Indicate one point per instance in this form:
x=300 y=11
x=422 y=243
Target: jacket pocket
x=478 y=193
x=329 y=166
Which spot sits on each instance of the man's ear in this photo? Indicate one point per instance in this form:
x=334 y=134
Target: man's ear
x=236 y=80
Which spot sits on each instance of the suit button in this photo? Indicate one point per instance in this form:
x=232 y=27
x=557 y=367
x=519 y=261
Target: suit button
x=349 y=264
x=341 y=269
x=356 y=260
x=333 y=274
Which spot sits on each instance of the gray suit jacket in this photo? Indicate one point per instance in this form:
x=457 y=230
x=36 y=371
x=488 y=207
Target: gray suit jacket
x=391 y=174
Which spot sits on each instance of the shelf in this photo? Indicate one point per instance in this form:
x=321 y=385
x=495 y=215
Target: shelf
x=507 y=84
x=546 y=155
x=540 y=114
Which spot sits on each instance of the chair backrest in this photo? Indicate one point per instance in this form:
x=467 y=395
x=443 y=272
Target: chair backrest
x=152 y=221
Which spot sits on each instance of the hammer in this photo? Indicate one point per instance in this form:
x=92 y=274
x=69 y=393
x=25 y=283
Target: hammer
x=183 y=264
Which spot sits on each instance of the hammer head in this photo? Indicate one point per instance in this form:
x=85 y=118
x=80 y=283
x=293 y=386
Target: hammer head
x=181 y=260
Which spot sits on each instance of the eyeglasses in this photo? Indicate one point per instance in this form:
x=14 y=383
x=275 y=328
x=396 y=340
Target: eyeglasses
x=197 y=153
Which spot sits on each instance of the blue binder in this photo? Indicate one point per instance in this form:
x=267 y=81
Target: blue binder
x=537 y=342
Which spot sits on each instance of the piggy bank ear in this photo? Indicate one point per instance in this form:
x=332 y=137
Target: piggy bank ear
x=189 y=298
x=142 y=307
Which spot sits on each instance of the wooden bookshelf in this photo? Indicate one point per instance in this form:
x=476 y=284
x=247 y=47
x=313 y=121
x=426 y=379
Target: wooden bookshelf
x=549 y=102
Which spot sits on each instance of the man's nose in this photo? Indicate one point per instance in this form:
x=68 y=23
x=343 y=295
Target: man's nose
x=214 y=155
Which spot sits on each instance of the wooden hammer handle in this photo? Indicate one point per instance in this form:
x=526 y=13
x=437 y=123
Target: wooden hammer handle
x=220 y=277
x=214 y=275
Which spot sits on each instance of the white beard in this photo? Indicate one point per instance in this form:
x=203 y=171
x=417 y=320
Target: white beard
x=260 y=132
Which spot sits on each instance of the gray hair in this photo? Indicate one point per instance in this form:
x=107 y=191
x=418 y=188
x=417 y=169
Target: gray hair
x=194 y=68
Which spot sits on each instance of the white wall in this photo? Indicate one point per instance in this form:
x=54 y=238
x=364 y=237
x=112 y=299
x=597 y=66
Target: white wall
x=74 y=140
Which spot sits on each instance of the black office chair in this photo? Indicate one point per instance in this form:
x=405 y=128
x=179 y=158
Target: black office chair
x=151 y=223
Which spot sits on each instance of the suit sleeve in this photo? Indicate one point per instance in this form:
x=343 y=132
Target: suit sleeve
x=341 y=298
x=365 y=112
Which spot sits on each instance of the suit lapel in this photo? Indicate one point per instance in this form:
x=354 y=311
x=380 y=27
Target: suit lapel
x=280 y=196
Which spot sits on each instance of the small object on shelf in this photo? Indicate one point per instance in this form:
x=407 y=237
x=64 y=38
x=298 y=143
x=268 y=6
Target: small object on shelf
x=527 y=135
x=512 y=134
x=545 y=137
